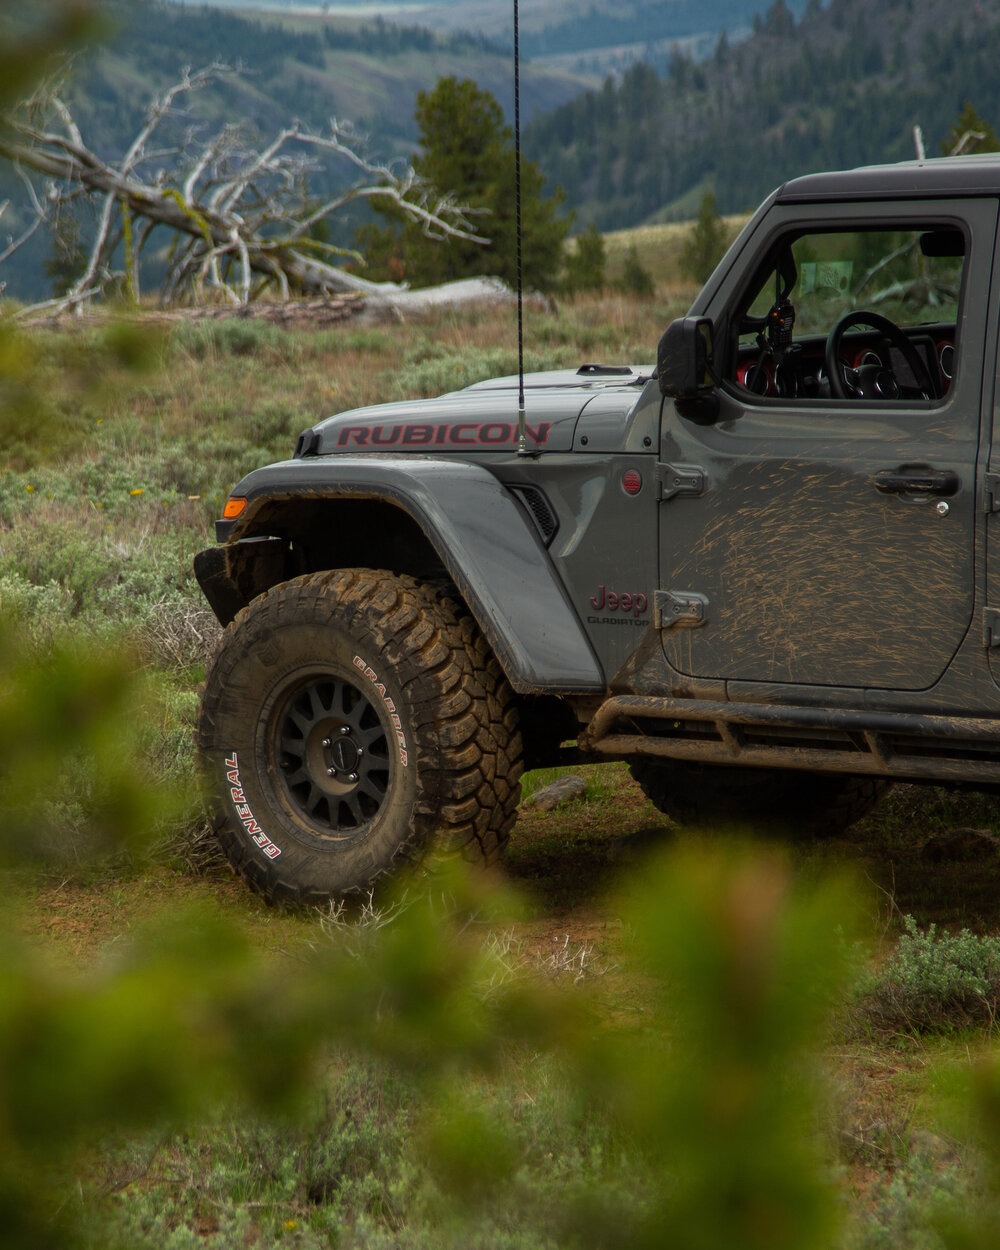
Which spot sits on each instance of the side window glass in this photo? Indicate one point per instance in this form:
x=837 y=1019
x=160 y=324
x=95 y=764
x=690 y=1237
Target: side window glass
x=866 y=315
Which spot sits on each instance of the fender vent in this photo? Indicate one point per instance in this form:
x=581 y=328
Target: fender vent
x=546 y=521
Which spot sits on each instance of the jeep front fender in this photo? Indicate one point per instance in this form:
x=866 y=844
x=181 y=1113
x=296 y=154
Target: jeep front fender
x=479 y=532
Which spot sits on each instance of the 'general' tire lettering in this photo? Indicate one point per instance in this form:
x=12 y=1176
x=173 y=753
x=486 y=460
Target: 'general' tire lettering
x=243 y=810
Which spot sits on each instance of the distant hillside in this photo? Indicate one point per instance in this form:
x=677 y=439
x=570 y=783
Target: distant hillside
x=311 y=68
x=308 y=67
x=843 y=85
x=592 y=37
x=547 y=25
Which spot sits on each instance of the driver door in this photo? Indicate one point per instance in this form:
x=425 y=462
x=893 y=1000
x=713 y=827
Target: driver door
x=829 y=540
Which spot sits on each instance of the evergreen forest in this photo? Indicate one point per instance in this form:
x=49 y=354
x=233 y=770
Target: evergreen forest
x=816 y=84
x=843 y=85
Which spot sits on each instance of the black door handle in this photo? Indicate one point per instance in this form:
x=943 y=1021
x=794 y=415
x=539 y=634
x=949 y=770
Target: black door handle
x=917 y=481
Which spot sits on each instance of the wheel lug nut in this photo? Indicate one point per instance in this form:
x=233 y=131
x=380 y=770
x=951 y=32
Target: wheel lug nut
x=344 y=729
x=352 y=777
x=327 y=743
x=331 y=772
x=360 y=752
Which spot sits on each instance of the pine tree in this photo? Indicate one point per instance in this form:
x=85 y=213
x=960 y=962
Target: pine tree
x=636 y=278
x=467 y=151
x=970 y=133
x=585 y=262
x=706 y=241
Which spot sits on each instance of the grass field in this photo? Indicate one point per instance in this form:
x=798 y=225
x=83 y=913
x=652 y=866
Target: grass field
x=658 y=247
x=122 y=444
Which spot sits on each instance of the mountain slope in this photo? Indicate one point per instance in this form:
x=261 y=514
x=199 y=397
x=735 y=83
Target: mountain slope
x=307 y=67
x=592 y=37
x=842 y=86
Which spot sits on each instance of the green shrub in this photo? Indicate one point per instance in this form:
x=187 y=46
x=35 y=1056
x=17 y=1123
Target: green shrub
x=38 y=613
x=936 y=981
x=706 y=242
x=584 y=262
x=435 y=373
x=636 y=278
x=907 y=1208
x=233 y=336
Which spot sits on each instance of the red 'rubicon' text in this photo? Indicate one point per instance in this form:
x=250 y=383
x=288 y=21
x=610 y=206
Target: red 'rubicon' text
x=460 y=434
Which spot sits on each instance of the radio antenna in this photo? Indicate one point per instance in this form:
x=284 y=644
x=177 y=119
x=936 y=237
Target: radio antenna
x=522 y=437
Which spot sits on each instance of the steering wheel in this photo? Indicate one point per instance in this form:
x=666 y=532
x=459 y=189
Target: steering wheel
x=874 y=381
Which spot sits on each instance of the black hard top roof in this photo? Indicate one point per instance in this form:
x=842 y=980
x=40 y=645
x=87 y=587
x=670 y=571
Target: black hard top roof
x=942 y=176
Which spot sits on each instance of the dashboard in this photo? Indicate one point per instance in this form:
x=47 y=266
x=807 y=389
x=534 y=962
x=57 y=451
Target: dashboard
x=802 y=374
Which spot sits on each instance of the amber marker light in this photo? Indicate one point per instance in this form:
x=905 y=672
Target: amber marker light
x=234 y=508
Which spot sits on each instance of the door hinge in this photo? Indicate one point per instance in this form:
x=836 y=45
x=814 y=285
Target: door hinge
x=991 y=483
x=991 y=627
x=679 y=479
x=679 y=609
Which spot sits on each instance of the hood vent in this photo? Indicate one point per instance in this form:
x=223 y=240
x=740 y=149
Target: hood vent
x=604 y=371
x=307 y=444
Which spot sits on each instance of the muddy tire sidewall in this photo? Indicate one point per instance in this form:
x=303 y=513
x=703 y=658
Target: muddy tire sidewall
x=430 y=749
x=261 y=806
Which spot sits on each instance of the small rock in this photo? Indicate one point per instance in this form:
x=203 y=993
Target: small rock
x=959 y=844
x=556 y=793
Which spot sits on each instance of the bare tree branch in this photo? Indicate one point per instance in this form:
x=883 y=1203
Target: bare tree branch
x=238 y=210
x=41 y=216
x=967 y=141
x=62 y=302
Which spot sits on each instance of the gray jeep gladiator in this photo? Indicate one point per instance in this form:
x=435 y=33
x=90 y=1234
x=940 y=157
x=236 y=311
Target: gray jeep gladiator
x=766 y=573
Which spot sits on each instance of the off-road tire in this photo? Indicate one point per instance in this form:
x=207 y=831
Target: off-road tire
x=769 y=800
x=349 y=720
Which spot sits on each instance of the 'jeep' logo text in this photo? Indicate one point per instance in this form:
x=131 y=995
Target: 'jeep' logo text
x=619 y=601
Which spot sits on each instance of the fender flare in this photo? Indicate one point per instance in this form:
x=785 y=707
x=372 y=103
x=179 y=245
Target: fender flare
x=489 y=547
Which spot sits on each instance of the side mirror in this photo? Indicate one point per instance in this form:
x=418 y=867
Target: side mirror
x=685 y=367
x=684 y=358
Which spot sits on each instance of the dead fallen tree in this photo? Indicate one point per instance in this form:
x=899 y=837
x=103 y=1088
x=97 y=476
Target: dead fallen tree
x=313 y=313
x=239 y=212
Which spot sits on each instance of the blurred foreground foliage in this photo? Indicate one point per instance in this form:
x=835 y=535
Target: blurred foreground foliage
x=696 y=1126
x=711 y=1102
x=709 y=1106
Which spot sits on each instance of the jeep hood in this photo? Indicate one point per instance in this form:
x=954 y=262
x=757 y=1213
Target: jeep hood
x=482 y=416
